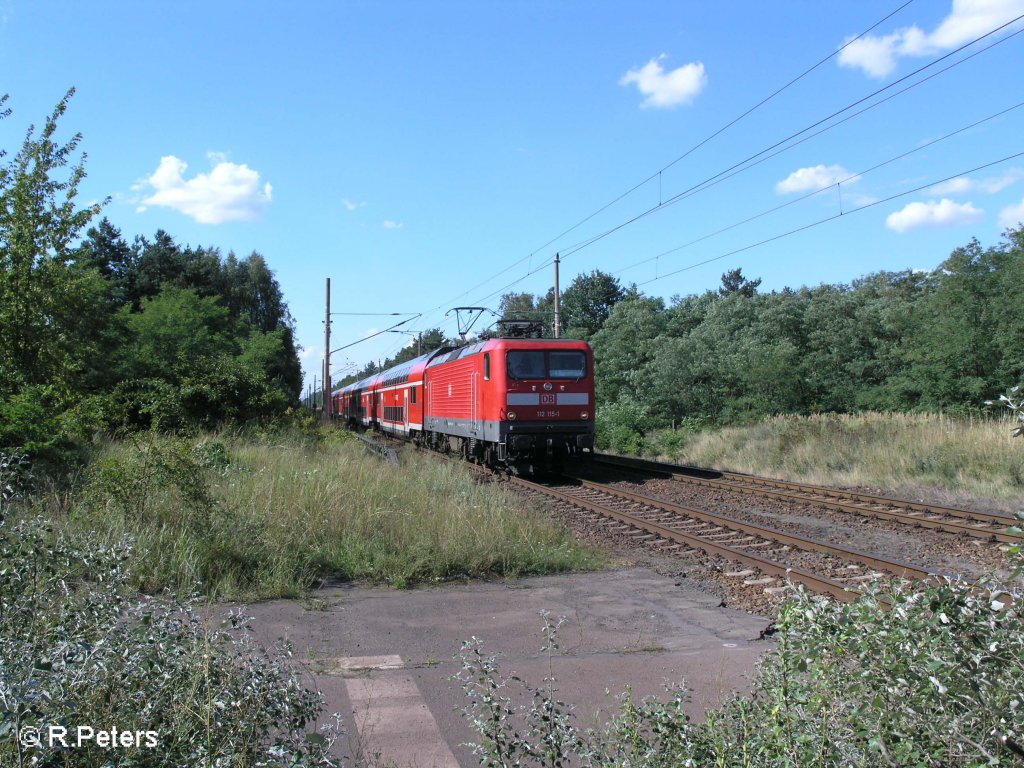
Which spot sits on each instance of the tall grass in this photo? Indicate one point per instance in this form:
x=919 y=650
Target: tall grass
x=243 y=518
x=961 y=457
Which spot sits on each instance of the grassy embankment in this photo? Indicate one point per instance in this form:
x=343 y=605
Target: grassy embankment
x=239 y=518
x=958 y=459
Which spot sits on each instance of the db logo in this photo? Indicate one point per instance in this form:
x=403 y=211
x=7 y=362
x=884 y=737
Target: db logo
x=547 y=399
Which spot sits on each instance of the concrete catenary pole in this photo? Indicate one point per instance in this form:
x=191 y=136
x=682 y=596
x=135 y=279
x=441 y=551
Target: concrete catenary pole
x=327 y=357
x=558 y=304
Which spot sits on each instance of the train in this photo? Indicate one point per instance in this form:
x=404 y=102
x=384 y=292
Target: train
x=522 y=404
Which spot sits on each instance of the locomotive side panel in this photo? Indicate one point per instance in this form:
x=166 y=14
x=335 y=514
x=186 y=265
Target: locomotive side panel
x=453 y=398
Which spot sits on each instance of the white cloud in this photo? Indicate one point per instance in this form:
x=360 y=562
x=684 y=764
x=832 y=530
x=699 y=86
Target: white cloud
x=813 y=178
x=875 y=55
x=958 y=186
x=968 y=19
x=229 y=192
x=389 y=224
x=667 y=89
x=1012 y=216
x=963 y=185
x=932 y=214
x=351 y=206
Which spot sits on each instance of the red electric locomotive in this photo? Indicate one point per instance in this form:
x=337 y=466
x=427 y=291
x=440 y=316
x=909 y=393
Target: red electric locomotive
x=516 y=402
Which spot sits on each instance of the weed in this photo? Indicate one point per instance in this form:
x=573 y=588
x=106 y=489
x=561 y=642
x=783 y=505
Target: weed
x=923 y=676
x=249 y=518
x=78 y=649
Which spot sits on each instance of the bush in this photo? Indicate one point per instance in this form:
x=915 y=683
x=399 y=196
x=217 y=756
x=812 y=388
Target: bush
x=76 y=649
x=621 y=426
x=923 y=676
x=671 y=442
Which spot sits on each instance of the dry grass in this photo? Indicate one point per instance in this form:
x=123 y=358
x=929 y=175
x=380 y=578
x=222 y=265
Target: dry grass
x=955 y=459
x=283 y=517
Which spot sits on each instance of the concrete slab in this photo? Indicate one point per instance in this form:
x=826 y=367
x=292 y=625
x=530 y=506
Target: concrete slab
x=384 y=658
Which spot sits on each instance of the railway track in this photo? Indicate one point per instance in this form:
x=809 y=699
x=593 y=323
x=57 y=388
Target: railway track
x=766 y=558
x=983 y=525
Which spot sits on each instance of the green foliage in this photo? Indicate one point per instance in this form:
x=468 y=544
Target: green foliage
x=901 y=341
x=49 y=308
x=1016 y=405
x=671 y=442
x=277 y=510
x=78 y=649
x=15 y=475
x=733 y=281
x=106 y=335
x=621 y=426
x=170 y=468
x=526 y=306
x=627 y=348
x=920 y=675
x=587 y=302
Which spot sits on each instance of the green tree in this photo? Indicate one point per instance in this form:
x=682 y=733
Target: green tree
x=173 y=331
x=527 y=306
x=625 y=348
x=733 y=281
x=48 y=305
x=588 y=301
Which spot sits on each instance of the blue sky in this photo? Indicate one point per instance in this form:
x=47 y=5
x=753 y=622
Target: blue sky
x=426 y=156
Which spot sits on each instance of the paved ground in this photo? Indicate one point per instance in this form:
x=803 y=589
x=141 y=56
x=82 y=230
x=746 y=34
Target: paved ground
x=383 y=657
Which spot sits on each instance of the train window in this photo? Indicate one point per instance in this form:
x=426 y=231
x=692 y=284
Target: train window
x=525 y=364
x=487 y=366
x=568 y=364
x=412 y=395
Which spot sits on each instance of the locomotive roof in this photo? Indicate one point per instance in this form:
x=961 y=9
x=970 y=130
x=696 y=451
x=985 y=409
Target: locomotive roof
x=400 y=373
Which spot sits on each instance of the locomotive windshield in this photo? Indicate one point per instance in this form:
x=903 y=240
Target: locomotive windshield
x=538 y=364
x=571 y=364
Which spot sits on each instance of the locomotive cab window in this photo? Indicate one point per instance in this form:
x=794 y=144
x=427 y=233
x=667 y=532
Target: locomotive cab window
x=538 y=364
x=568 y=364
x=525 y=364
x=487 y=366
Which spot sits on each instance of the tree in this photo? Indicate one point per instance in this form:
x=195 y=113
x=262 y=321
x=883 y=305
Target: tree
x=624 y=348
x=105 y=250
x=174 y=332
x=526 y=306
x=733 y=281
x=588 y=301
x=48 y=304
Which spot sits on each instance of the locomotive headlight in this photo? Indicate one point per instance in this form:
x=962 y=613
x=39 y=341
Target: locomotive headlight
x=511 y=415
x=584 y=414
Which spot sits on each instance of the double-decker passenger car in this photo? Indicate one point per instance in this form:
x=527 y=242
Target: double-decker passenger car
x=502 y=401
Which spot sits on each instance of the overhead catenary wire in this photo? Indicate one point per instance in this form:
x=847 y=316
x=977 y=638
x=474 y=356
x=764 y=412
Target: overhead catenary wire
x=747 y=162
x=833 y=217
x=837 y=184
x=779 y=146
x=656 y=174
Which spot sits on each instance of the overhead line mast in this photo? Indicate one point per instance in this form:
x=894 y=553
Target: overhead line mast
x=327 y=357
x=558 y=303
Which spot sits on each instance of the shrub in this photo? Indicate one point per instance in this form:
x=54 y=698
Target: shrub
x=671 y=442
x=77 y=649
x=923 y=676
x=15 y=474
x=621 y=426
